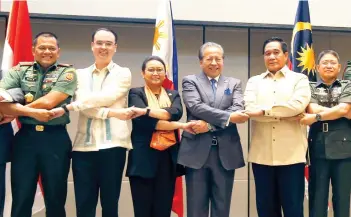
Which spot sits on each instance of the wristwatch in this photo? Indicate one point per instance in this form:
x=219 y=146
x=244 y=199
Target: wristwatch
x=147 y=112
x=64 y=106
x=210 y=128
x=318 y=117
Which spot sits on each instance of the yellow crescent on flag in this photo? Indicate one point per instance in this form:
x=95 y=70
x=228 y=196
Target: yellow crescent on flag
x=306 y=58
x=299 y=26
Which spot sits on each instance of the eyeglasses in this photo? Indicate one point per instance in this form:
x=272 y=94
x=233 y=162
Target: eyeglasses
x=108 y=44
x=157 y=70
x=210 y=59
x=327 y=63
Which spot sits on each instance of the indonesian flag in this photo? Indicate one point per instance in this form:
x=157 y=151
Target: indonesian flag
x=18 y=48
x=164 y=46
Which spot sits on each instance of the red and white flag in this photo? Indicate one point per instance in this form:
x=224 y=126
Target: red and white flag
x=164 y=46
x=18 y=48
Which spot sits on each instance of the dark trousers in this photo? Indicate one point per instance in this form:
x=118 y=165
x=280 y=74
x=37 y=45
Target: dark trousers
x=279 y=187
x=210 y=184
x=98 y=171
x=46 y=153
x=2 y=187
x=153 y=197
x=321 y=172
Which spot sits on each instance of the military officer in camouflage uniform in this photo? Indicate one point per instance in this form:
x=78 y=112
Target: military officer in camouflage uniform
x=329 y=139
x=41 y=147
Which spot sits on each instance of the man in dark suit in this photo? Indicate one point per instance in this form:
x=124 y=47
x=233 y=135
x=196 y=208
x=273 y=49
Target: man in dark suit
x=212 y=155
x=6 y=136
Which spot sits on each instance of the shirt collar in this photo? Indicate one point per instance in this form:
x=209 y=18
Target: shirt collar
x=321 y=83
x=106 y=69
x=37 y=66
x=283 y=71
x=216 y=78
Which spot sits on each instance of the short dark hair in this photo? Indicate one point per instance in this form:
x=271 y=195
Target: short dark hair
x=283 y=44
x=46 y=35
x=104 y=29
x=150 y=58
x=325 y=52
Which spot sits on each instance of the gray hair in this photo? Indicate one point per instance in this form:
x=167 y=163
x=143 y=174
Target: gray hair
x=206 y=45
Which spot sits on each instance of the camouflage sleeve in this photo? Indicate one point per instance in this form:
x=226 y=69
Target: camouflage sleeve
x=345 y=96
x=12 y=78
x=313 y=93
x=66 y=82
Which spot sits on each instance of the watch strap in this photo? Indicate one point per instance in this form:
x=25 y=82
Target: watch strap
x=147 y=112
x=64 y=106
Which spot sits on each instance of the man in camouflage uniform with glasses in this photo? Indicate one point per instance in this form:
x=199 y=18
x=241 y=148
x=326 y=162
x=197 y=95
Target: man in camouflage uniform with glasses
x=329 y=138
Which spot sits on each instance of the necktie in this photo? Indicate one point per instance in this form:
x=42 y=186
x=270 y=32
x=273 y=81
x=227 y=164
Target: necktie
x=214 y=88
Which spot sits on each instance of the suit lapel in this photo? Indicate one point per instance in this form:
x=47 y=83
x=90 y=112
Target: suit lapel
x=221 y=86
x=170 y=95
x=205 y=83
x=142 y=90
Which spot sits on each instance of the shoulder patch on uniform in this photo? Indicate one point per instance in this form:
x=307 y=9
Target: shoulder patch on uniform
x=26 y=63
x=69 y=76
x=64 y=64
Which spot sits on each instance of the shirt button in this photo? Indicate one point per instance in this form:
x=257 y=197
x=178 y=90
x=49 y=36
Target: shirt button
x=273 y=140
x=273 y=127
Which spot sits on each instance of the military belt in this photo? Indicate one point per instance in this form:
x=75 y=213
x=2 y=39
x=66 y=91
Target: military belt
x=326 y=126
x=214 y=140
x=42 y=128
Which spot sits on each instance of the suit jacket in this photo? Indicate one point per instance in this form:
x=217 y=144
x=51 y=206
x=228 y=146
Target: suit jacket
x=6 y=132
x=202 y=105
x=143 y=160
x=6 y=138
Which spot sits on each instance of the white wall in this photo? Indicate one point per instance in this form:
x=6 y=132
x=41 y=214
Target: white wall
x=323 y=12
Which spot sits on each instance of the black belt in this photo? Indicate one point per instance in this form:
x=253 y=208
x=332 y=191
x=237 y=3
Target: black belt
x=214 y=140
x=326 y=126
x=41 y=128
